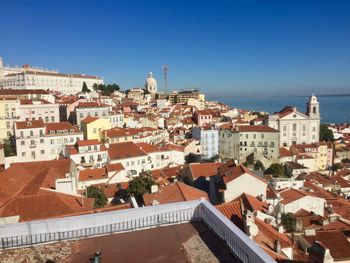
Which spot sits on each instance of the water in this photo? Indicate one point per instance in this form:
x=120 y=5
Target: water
x=333 y=109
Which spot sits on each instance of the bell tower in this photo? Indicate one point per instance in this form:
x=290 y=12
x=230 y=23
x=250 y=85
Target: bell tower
x=313 y=107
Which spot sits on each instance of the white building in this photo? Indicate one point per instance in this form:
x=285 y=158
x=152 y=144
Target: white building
x=209 y=140
x=37 y=141
x=237 y=180
x=54 y=81
x=151 y=84
x=39 y=109
x=91 y=108
x=140 y=157
x=296 y=127
x=87 y=154
x=292 y=200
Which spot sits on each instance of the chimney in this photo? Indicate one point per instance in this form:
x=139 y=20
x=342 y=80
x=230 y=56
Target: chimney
x=154 y=188
x=277 y=246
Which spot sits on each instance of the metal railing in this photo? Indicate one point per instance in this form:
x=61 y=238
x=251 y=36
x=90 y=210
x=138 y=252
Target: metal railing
x=75 y=227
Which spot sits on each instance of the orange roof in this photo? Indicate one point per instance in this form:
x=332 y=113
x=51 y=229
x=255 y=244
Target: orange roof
x=233 y=211
x=236 y=171
x=176 y=192
x=59 y=126
x=28 y=178
x=283 y=152
x=335 y=241
x=121 y=132
x=89 y=119
x=255 y=128
x=124 y=150
x=92 y=174
x=267 y=235
x=291 y=194
x=113 y=167
x=54 y=204
x=88 y=142
x=30 y=124
x=204 y=169
x=148 y=148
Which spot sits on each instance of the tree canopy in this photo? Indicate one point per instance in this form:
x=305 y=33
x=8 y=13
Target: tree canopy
x=85 y=88
x=326 y=134
x=10 y=146
x=99 y=196
x=276 y=169
x=259 y=166
x=138 y=187
x=106 y=90
x=288 y=221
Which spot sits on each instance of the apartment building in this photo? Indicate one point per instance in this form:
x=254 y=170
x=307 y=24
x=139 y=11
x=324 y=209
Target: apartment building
x=209 y=139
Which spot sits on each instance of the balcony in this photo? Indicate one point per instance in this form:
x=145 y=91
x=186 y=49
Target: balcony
x=32 y=145
x=130 y=220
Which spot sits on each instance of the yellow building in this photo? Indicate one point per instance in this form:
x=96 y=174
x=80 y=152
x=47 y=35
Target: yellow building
x=93 y=127
x=319 y=151
x=9 y=114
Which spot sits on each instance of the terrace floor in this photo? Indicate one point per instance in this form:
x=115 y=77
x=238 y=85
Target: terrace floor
x=189 y=242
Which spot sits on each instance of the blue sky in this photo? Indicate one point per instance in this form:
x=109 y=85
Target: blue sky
x=226 y=48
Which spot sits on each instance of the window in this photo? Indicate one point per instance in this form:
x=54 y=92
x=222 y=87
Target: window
x=52 y=118
x=23 y=154
x=294 y=127
x=41 y=140
x=21 y=134
x=31 y=133
x=262 y=136
x=94 y=130
x=22 y=142
x=8 y=125
x=42 y=151
x=46 y=119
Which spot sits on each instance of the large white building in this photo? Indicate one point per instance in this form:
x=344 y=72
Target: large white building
x=296 y=127
x=27 y=77
x=37 y=141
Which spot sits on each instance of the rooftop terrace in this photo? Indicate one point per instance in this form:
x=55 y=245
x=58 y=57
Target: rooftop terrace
x=162 y=239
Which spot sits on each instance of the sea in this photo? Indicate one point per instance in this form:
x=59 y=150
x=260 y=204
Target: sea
x=333 y=109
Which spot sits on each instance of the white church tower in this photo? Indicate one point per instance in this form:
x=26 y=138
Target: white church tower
x=313 y=107
x=151 y=84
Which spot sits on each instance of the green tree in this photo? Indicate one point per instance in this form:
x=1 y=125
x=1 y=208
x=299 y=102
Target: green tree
x=335 y=167
x=276 y=169
x=192 y=158
x=139 y=186
x=10 y=146
x=99 y=196
x=106 y=90
x=85 y=88
x=288 y=221
x=259 y=166
x=326 y=134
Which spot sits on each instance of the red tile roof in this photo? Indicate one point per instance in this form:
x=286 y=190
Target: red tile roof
x=176 y=192
x=335 y=241
x=88 y=142
x=236 y=171
x=124 y=150
x=291 y=195
x=59 y=126
x=89 y=119
x=114 y=167
x=283 y=152
x=233 y=211
x=30 y=124
x=255 y=128
x=92 y=174
x=204 y=169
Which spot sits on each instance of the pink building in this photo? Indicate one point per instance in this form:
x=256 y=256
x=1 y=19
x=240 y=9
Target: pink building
x=202 y=117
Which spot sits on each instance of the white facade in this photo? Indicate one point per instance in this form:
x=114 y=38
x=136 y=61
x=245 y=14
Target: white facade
x=116 y=120
x=48 y=112
x=254 y=187
x=84 y=156
x=151 y=84
x=63 y=83
x=296 y=127
x=309 y=203
x=82 y=112
x=209 y=140
x=35 y=144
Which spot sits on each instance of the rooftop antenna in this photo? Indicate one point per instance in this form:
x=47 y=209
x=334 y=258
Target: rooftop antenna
x=165 y=71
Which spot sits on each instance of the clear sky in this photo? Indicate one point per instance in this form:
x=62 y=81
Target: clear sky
x=225 y=48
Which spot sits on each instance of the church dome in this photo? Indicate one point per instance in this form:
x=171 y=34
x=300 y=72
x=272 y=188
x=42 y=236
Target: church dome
x=151 y=83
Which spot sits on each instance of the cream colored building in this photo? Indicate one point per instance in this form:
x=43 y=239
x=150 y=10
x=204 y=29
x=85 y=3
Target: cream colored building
x=296 y=127
x=9 y=114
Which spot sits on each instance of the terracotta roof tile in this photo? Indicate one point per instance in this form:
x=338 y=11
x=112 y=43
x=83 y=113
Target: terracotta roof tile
x=30 y=124
x=89 y=119
x=92 y=174
x=204 y=169
x=233 y=211
x=124 y=150
x=176 y=192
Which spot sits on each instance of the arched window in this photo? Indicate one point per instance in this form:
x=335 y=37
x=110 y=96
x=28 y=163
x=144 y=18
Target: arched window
x=314 y=109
